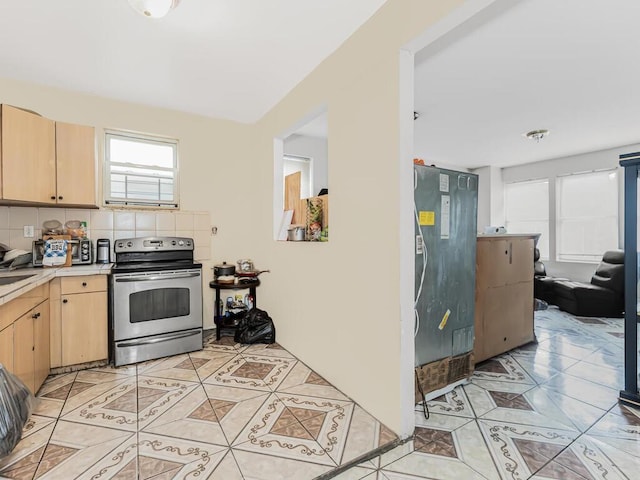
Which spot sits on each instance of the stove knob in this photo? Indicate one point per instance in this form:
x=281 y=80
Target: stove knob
x=181 y=242
x=120 y=245
x=129 y=244
x=173 y=242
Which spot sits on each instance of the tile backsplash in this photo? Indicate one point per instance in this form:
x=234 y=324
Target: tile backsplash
x=111 y=224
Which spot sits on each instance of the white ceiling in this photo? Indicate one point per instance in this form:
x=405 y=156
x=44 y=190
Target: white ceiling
x=570 y=66
x=232 y=59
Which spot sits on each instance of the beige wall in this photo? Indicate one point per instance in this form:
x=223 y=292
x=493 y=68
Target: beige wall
x=337 y=304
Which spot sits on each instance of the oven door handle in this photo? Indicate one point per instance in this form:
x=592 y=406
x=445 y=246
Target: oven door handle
x=157 y=277
x=163 y=338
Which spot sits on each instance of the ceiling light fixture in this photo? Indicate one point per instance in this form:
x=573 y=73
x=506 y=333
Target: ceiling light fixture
x=537 y=135
x=153 y=8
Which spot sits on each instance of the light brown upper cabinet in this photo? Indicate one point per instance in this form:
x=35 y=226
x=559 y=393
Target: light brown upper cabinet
x=46 y=162
x=76 y=166
x=28 y=156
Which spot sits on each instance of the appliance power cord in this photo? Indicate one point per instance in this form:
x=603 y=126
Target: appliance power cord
x=425 y=258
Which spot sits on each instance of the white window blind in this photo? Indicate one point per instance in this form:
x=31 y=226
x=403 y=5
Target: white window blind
x=140 y=170
x=527 y=210
x=587 y=220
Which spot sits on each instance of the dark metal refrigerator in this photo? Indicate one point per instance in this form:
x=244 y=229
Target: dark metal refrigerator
x=445 y=209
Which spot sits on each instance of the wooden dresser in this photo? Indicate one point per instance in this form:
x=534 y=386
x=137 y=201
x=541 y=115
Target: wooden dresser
x=504 y=293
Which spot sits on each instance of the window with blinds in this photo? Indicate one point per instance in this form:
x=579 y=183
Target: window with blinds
x=527 y=210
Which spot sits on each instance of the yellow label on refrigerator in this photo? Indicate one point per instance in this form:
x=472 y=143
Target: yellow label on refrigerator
x=444 y=320
x=426 y=218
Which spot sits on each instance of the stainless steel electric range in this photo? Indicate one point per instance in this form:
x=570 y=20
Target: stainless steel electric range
x=155 y=299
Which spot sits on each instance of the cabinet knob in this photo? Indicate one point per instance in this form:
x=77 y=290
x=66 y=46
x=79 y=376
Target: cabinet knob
x=34 y=316
x=65 y=300
x=84 y=284
x=53 y=197
x=60 y=197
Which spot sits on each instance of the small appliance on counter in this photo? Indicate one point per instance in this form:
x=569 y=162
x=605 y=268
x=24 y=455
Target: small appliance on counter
x=81 y=252
x=103 y=250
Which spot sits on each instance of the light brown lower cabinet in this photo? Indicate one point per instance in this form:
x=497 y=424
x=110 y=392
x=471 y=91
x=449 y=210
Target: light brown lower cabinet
x=79 y=320
x=504 y=294
x=31 y=346
x=6 y=347
x=41 y=333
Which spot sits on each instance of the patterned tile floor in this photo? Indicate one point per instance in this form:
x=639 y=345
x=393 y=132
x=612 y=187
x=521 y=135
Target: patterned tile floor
x=547 y=411
x=228 y=412
x=544 y=411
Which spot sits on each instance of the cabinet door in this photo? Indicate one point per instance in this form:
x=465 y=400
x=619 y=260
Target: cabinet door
x=6 y=348
x=55 y=324
x=508 y=318
x=492 y=262
x=76 y=164
x=41 y=353
x=84 y=327
x=28 y=156
x=520 y=260
x=23 y=350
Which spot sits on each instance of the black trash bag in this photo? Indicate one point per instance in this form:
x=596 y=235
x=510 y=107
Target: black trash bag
x=255 y=327
x=16 y=404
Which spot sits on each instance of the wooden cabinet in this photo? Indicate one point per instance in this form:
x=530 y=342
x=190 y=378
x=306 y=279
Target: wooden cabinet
x=31 y=346
x=28 y=156
x=75 y=164
x=6 y=347
x=504 y=294
x=79 y=320
x=23 y=350
x=41 y=355
x=46 y=162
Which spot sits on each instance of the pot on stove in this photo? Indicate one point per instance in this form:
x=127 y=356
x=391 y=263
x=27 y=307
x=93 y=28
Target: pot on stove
x=223 y=269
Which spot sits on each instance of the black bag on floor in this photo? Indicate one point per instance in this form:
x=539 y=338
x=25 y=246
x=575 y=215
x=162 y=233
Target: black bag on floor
x=255 y=327
x=16 y=403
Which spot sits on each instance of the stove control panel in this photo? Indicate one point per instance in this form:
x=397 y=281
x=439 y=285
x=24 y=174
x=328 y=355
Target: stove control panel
x=152 y=244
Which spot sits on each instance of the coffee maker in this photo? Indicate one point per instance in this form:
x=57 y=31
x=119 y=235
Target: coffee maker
x=103 y=250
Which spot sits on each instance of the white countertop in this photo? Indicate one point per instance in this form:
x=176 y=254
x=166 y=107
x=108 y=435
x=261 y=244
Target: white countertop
x=41 y=275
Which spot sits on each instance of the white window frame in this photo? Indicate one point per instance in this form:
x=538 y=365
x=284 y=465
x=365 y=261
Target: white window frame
x=109 y=200
x=548 y=254
x=596 y=257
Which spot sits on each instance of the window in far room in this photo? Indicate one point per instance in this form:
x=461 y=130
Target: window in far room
x=527 y=211
x=587 y=218
x=140 y=170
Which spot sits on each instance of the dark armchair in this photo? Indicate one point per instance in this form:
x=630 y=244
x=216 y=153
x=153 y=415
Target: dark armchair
x=543 y=285
x=603 y=297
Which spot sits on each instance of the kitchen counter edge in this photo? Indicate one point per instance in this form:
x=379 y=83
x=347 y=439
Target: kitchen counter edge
x=44 y=275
